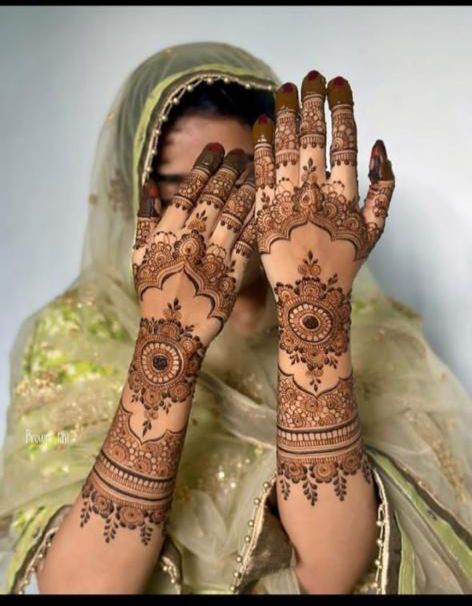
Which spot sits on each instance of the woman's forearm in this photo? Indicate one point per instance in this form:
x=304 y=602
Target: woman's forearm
x=111 y=539
x=326 y=494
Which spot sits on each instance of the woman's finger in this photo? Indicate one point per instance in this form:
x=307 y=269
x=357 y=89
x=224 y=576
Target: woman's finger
x=313 y=128
x=379 y=195
x=235 y=211
x=149 y=213
x=244 y=248
x=264 y=160
x=286 y=144
x=215 y=193
x=343 y=149
x=184 y=201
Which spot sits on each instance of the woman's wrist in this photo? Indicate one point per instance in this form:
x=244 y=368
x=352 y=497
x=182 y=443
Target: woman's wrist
x=319 y=437
x=132 y=481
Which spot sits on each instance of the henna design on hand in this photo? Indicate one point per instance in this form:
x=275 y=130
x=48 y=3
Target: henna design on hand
x=204 y=265
x=167 y=358
x=298 y=203
x=314 y=319
x=132 y=481
x=318 y=438
x=344 y=137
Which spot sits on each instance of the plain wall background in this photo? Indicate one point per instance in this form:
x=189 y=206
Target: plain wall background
x=409 y=68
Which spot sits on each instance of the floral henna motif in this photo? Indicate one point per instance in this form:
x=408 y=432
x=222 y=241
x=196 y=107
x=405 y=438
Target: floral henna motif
x=143 y=231
x=237 y=208
x=277 y=217
x=286 y=138
x=167 y=359
x=318 y=438
x=313 y=125
x=314 y=319
x=300 y=461
x=132 y=482
x=344 y=136
x=205 y=266
x=264 y=167
x=300 y=408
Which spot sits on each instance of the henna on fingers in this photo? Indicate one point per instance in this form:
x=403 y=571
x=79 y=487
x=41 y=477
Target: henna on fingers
x=204 y=239
x=298 y=203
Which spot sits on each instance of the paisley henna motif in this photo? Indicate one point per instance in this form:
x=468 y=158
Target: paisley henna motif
x=314 y=319
x=318 y=438
x=167 y=357
x=132 y=481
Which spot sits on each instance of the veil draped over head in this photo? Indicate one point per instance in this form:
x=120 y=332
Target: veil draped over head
x=71 y=358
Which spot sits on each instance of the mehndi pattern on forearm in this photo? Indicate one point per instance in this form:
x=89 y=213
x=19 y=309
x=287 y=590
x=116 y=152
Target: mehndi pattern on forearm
x=132 y=481
x=318 y=438
x=314 y=319
x=167 y=358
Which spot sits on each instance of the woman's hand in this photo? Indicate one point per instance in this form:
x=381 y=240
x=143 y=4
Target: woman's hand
x=188 y=266
x=302 y=208
x=194 y=256
x=312 y=234
x=313 y=237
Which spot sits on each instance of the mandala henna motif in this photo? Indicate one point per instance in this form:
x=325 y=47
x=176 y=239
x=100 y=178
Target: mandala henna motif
x=314 y=319
x=318 y=438
x=131 y=483
x=167 y=358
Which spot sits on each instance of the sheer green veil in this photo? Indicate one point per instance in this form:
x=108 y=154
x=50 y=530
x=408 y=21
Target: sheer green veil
x=70 y=361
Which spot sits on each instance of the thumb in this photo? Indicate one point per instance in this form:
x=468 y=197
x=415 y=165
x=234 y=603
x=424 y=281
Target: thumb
x=379 y=195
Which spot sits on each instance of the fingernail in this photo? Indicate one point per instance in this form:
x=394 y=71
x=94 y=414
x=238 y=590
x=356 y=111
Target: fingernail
x=149 y=194
x=380 y=145
x=210 y=157
x=339 y=91
x=152 y=189
x=216 y=147
x=286 y=97
x=235 y=159
x=380 y=166
x=314 y=82
x=263 y=130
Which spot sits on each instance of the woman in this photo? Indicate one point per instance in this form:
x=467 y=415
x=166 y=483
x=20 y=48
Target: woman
x=228 y=529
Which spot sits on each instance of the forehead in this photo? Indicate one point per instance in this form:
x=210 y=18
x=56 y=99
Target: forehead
x=189 y=135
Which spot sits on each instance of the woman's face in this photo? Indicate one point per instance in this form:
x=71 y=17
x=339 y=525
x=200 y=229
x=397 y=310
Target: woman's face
x=184 y=143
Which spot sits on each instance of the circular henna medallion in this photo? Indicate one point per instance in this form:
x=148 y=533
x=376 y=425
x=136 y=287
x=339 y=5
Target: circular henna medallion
x=161 y=362
x=311 y=323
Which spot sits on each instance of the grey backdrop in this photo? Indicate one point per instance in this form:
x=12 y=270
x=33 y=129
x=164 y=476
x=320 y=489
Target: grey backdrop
x=410 y=71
